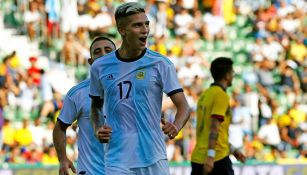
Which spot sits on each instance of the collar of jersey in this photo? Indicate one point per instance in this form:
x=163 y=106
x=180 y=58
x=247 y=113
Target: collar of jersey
x=131 y=59
x=218 y=84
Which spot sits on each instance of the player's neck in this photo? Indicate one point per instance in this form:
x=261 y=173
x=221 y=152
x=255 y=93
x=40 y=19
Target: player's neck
x=126 y=52
x=221 y=83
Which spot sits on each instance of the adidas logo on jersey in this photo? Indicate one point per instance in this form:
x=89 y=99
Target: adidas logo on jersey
x=110 y=77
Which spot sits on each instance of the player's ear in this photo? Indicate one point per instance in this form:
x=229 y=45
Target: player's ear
x=90 y=61
x=121 y=31
x=121 y=27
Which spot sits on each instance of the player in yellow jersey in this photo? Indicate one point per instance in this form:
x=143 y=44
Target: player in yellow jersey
x=211 y=153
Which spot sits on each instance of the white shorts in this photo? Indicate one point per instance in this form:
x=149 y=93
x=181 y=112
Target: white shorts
x=159 y=168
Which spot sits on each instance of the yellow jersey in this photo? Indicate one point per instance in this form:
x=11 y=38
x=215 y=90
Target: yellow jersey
x=212 y=102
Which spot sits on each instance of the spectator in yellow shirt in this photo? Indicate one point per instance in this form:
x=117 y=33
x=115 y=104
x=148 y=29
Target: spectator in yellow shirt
x=8 y=134
x=23 y=135
x=298 y=50
x=50 y=157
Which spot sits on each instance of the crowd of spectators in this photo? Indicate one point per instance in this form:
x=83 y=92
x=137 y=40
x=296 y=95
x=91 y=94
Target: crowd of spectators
x=266 y=39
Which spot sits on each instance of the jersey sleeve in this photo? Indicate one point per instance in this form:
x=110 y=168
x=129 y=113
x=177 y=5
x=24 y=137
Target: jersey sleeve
x=95 y=85
x=220 y=105
x=170 y=81
x=69 y=112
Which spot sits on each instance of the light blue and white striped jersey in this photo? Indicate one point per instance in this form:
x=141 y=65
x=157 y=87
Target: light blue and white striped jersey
x=77 y=106
x=132 y=92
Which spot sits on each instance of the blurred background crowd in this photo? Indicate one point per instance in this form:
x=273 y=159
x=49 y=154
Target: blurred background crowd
x=45 y=43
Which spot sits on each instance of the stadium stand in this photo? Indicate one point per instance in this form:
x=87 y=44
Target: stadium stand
x=266 y=39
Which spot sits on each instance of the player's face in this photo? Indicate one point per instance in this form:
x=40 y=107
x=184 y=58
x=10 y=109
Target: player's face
x=135 y=31
x=230 y=76
x=100 y=48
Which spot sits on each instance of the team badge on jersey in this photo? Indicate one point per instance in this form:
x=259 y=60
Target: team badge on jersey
x=140 y=75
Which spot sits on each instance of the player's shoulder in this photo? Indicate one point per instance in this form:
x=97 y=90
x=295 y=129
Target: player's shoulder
x=104 y=59
x=216 y=87
x=157 y=56
x=80 y=86
x=217 y=91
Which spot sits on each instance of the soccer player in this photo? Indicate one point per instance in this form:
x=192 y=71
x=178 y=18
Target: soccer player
x=131 y=82
x=211 y=153
x=77 y=107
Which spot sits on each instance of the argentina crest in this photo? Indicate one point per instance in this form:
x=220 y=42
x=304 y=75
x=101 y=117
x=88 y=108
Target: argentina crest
x=140 y=74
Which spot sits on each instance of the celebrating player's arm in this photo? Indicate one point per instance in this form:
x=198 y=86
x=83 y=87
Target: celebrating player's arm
x=59 y=140
x=103 y=47
x=102 y=132
x=181 y=117
x=96 y=105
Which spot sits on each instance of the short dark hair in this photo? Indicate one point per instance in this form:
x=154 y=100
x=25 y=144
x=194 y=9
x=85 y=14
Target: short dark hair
x=220 y=67
x=98 y=38
x=128 y=9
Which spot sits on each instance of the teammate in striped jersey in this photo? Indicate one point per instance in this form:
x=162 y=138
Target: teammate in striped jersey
x=77 y=107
